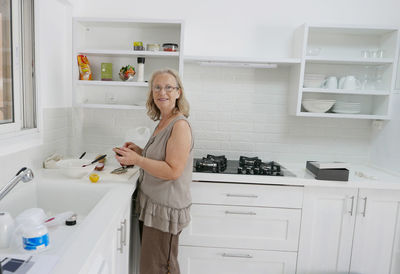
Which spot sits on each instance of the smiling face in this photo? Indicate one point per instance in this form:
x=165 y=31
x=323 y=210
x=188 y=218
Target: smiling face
x=165 y=92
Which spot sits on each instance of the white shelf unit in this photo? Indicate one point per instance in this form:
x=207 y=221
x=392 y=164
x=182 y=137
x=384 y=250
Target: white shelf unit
x=111 y=41
x=340 y=51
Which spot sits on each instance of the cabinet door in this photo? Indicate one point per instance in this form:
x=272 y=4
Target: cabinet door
x=327 y=230
x=122 y=242
x=376 y=236
x=201 y=260
x=243 y=227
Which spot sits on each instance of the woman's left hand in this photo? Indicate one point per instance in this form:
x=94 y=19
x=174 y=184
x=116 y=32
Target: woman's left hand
x=128 y=156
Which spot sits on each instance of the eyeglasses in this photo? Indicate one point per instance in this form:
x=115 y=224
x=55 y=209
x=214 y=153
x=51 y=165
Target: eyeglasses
x=167 y=88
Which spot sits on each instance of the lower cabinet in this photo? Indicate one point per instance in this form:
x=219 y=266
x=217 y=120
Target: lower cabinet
x=200 y=260
x=112 y=252
x=349 y=230
x=242 y=228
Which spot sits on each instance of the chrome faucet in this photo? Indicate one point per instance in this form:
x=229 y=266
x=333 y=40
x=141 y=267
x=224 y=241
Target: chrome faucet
x=24 y=174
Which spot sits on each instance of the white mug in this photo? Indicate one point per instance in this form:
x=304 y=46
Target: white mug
x=349 y=82
x=330 y=83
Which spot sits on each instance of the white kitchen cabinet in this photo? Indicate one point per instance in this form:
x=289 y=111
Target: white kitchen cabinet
x=346 y=230
x=111 y=255
x=194 y=260
x=241 y=228
x=368 y=54
x=111 y=41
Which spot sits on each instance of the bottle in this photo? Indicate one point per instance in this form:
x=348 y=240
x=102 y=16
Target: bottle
x=140 y=61
x=35 y=237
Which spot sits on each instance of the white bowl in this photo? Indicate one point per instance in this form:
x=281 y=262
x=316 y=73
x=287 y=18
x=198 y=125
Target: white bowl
x=319 y=106
x=72 y=168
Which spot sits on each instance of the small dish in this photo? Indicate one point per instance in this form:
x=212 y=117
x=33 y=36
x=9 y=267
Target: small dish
x=318 y=106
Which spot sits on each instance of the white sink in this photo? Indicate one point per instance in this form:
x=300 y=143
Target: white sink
x=94 y=204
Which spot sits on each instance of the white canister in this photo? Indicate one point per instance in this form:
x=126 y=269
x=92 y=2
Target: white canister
x=35 y=237
x=6 y=229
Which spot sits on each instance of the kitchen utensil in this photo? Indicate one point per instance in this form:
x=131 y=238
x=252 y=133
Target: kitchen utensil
x=83 y=154
x=96 y=160
x=121 y=170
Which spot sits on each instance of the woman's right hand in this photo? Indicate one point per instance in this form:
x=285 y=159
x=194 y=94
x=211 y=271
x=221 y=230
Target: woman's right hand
x=134 y=147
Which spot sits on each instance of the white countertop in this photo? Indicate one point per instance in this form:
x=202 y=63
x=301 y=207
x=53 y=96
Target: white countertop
x=364 y=176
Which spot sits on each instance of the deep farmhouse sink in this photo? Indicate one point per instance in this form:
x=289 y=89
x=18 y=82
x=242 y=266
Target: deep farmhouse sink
x=94 y=203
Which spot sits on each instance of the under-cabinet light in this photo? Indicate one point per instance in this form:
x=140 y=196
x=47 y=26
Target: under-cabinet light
x=239 y=65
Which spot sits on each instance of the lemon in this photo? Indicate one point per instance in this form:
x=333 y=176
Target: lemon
x=94 y=177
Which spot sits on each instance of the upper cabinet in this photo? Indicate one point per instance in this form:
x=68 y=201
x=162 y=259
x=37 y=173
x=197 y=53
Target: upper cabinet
x=346 y=72
x=109 y=45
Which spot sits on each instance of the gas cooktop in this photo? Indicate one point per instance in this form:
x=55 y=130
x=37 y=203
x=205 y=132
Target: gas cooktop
x=245 y=165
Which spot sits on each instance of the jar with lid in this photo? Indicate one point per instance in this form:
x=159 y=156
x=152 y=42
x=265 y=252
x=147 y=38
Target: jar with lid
x=170 y=47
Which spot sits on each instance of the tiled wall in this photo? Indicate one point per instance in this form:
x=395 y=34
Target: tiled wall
x=236 y=111
x=56 y=139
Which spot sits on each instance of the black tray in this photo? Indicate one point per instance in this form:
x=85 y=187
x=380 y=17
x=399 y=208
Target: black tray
x=332 y=174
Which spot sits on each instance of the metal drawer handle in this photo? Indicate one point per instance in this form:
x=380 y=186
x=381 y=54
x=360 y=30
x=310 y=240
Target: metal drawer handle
x=241 y=195
x=230 y=255
x=365 y=206
x=124 y=232
x=352 y=205
x=239 y=212
x=121 y=244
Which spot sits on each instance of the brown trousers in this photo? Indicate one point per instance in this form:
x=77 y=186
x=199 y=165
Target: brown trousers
x=159 y=251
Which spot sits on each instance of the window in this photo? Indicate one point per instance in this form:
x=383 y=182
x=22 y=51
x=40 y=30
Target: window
x=17 y=74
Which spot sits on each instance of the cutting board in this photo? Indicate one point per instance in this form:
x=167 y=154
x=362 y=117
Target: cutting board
x=106 y=174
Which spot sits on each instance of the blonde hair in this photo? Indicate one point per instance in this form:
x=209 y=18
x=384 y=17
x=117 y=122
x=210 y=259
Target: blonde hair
x=181 y=104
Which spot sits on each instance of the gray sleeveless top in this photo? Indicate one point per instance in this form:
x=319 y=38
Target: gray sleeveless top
x=164 y=204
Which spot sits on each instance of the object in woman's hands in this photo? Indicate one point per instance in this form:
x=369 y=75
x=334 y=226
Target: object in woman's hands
x=126 y=73
x=85 y=73
x=117 y=152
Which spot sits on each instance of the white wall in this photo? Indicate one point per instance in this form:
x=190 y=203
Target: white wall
x=246 y=28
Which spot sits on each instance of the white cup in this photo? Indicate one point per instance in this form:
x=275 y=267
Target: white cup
x=6 y=229
x=330 y=83
x=349 y=82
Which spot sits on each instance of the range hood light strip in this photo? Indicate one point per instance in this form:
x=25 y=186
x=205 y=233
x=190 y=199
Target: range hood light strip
x=239 y=65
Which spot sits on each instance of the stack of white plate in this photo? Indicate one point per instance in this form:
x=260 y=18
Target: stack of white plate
x=313 y=80
x=319 y=106
x=344 y=107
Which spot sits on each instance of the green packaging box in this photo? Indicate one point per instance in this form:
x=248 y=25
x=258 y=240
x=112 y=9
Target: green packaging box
x=106 y=71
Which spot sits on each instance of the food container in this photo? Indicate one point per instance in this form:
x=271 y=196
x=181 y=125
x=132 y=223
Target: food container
x=170 y=47
x=153 y=47
x=137 y=45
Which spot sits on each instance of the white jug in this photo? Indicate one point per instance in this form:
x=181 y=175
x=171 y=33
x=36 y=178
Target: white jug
x=349 y=82
x=6 y=229
x=330 y=83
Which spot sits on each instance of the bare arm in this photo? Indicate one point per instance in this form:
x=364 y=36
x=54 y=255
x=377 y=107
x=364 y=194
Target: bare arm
x=177 y=153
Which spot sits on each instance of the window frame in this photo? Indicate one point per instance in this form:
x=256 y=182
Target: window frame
x=16 y=127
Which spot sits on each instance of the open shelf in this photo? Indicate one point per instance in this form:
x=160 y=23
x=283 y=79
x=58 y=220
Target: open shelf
x=342 y=115
x=344 y=91
x=241 y=61
x=127 y=53
x=349 y=61
x=111 y=83
x=112 y=106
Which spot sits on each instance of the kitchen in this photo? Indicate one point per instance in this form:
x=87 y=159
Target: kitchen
x=234 y=110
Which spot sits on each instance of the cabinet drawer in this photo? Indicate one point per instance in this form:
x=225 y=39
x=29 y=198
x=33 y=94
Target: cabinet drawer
x=243 y=227
x=200 y=260
x=247 y=195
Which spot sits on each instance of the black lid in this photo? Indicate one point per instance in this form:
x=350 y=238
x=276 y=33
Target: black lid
x=169 y=44
x=71 y=220
x=140 y=60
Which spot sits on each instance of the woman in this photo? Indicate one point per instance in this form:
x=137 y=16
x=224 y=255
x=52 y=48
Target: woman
x=164 y=199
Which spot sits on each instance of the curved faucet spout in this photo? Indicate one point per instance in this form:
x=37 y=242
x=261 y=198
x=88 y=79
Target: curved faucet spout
x=24 y=174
